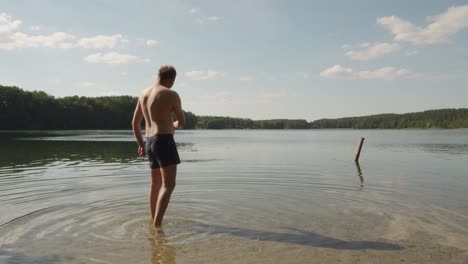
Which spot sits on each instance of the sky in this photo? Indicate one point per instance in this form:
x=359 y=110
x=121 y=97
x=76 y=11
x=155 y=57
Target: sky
x=255 y=59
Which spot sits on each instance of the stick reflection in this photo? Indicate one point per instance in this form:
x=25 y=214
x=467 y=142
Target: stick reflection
x=359 y=174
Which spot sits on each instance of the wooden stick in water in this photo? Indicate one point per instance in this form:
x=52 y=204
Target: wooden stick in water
x=358 y=153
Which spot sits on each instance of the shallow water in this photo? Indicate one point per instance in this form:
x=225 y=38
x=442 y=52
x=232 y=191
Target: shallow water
x=249 y=196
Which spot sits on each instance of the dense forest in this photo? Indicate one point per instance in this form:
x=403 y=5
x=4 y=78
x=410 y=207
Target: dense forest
x=220 y=122
x=20 y=109
x=442 y=118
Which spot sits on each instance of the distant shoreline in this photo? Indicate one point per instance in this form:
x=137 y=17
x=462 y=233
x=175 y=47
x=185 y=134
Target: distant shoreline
x=25 y=110
x=5 y=131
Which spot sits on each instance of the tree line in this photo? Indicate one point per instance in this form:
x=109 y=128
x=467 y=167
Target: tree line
x=440 y=119
x=20 y=109
x=221 y=122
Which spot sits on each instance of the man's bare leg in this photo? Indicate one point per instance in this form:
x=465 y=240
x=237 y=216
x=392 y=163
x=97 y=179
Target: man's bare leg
x=156 y=183
x=168 y=184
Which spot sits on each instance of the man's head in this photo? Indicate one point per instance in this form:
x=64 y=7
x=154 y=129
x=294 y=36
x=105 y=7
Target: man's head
x=167 y=75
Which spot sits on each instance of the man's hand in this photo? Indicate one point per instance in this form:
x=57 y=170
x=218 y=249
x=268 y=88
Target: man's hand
x=141 y=151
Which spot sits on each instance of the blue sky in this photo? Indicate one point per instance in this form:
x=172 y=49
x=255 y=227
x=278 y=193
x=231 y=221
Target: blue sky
x=255 y=59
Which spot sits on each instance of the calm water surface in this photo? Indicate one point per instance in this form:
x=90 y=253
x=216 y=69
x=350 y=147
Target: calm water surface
x=249 y=196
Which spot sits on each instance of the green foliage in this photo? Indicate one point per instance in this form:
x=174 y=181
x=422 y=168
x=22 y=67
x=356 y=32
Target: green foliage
x=442 y=118
x=21 y=109
x=281 y=124
x=221 y=122
x=190 y=120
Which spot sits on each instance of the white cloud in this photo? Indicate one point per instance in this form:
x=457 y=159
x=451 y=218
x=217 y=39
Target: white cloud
x=337 y=71
x=204 y=75
x=87 y=84
x=102 y=41
x=372 y=51
x=203 y=19
x=11 y=38
x=439 y=30
x=386 y=73
x=346 y=46
x=213 y=18
x=411 y=52
x=364 y=45
x=246 y=78
x=20 y=40
x=113 y=58
x=152 y=42
x=7 y=24
x=34 y=28
x=124 y=73
x=200 y=18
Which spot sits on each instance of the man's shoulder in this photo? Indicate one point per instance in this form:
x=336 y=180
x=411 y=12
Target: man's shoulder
x=145 y=92
x=174 y=93
x=169 y=93
x=165 y=92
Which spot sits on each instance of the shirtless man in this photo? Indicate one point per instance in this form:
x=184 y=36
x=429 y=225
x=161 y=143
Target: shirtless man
x=156 y=105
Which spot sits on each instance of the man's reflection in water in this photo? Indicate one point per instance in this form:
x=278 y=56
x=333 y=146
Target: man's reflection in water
x=359 y=174
x=161 y=253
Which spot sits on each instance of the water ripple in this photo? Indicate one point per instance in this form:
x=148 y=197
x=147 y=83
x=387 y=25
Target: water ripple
x=91 y=205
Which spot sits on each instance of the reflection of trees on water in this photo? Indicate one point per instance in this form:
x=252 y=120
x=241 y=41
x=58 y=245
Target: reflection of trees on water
x=42 y=152
x=37 y=153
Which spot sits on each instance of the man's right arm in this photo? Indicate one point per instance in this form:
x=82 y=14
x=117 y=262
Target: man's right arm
x=178 y=111
x=136 y=125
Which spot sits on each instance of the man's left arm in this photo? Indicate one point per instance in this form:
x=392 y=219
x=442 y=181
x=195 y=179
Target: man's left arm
x=136 y=125
x=177 y=106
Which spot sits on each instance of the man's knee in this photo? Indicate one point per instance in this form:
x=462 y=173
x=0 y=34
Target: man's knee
x=169 y=175
x=169 y=185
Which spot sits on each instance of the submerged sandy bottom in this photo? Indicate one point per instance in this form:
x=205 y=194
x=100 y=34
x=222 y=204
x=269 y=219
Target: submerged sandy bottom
x=241 y=197
x=101 y=239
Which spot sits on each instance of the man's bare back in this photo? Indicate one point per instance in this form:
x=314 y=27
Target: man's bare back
x=158 y=103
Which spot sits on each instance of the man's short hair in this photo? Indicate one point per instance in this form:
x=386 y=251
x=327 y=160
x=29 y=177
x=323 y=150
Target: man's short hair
x=167 y=72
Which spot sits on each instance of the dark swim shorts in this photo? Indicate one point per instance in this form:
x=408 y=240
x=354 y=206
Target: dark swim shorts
x=162 y=151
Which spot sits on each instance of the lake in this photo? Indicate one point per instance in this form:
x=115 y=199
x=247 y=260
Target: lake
x=242 y=196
